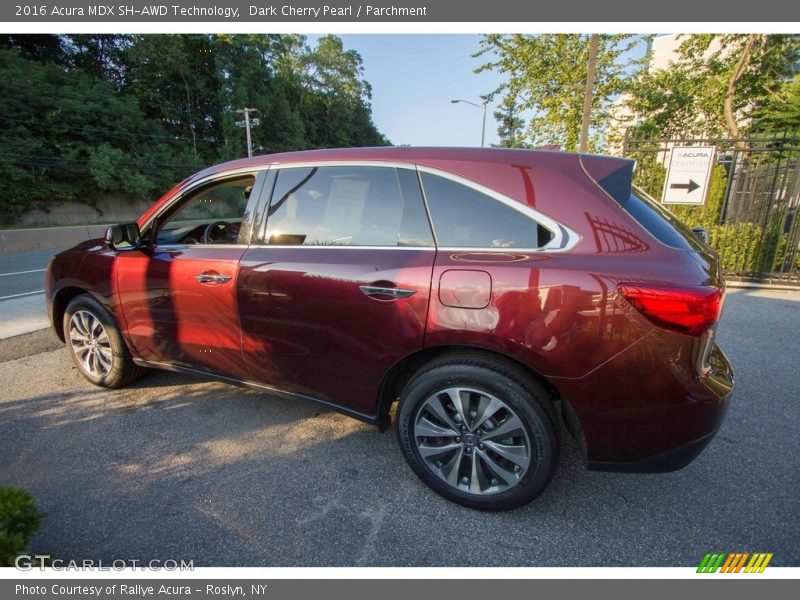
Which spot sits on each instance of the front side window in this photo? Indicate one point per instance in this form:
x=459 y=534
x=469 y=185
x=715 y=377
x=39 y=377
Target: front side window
x=347 y=206
x=211 y=215
x=466 y=218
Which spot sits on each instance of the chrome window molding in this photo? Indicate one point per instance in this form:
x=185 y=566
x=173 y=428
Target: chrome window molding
x=168 y=247
x=564 y=238
x=192 y=187
x=344 y=163
x=343 y=247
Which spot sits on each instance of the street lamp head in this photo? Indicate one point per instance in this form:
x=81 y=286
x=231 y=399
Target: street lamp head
x=481 y=106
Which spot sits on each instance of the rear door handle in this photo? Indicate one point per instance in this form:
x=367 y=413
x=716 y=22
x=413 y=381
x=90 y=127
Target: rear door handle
x=393 y=292
x=211 y=277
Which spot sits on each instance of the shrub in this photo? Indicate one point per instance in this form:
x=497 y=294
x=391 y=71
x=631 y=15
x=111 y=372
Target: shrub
x=19 y=519
x=744 y=248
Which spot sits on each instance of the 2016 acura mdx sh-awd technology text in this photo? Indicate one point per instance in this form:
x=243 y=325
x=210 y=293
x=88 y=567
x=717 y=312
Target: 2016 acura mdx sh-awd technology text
x=499 y=295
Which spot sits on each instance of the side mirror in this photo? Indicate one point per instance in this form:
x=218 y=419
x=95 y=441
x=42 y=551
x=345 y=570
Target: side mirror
x=124 y=237
x=701 y=233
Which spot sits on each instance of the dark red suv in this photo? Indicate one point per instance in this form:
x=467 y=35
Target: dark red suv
x=495 y=293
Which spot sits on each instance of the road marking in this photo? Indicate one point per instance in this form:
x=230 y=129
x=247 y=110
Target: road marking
x=22 y=272
x=20 y=295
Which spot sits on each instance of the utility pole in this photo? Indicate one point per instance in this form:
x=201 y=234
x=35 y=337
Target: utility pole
x=246 y=112
x=587 y=96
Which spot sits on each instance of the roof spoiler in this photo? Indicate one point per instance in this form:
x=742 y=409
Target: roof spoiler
x=613 y=175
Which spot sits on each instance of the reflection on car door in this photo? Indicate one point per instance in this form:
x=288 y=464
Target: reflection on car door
x=336 y=290
x=179 y=302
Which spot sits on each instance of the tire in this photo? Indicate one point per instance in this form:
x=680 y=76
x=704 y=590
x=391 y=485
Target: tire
x=504 y=410
x=95 y=344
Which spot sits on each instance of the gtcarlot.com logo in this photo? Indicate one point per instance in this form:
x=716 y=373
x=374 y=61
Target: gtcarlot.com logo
x=26 y=562
x=735 y=562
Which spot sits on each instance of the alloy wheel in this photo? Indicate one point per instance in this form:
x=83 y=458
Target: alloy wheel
x=90 y=343
x=472 y=440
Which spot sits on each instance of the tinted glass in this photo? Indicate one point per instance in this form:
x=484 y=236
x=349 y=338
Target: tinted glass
x=212 y=214
x=661 y=224
x=464 y=217
x=223 y=202
x=347 y=206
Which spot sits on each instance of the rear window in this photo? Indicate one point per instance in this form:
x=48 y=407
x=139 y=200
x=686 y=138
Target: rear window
x=614 y=176
x=660 y=223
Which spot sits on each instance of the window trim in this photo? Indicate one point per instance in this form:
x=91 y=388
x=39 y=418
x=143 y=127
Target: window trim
x=564 y=238
x=203 y=182
x=278 y=167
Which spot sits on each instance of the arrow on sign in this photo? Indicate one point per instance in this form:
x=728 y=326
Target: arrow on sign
x=689 y=187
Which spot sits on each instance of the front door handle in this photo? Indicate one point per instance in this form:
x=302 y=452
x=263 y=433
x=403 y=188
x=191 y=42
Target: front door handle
x=212 y=277
x=393 y=293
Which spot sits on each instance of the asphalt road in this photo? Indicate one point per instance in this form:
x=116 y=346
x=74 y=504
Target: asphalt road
x=182 y=469
x=22 y=303
x=23 y=272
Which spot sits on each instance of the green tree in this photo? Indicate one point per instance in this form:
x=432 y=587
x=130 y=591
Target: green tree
x=99 y=55
x=39 y=46
x=716 y=85
x=336 y=96
x=546 y=79
x=780 y=110
x=511 y=125
x=176 y=81
x=86 y=116
x=69 y=136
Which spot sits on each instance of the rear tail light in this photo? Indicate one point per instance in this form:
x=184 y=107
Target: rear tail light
x=689 y=310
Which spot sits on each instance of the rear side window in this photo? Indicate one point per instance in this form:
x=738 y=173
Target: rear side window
x=660 y=223
x=347 y=206
x=466 y=218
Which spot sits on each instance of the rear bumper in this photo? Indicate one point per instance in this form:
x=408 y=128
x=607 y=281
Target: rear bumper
x=650 y=420
x=665 y=462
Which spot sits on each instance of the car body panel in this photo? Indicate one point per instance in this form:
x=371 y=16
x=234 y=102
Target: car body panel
x=174 y=318
x=295 y=318
x=308 y=328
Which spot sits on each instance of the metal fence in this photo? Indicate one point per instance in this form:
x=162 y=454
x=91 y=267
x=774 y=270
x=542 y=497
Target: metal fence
x=752 y=208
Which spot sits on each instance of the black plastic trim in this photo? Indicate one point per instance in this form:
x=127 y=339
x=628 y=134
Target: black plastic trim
x=371 y=419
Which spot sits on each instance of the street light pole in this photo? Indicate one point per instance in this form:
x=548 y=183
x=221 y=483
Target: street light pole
x=246 y=112
x=483 y=107
x=483 y=127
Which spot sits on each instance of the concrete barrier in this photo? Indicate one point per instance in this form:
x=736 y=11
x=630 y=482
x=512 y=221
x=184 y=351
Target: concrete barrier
x=47 y=238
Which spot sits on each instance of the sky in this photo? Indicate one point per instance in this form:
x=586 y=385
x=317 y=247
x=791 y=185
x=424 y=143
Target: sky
x=413 y=79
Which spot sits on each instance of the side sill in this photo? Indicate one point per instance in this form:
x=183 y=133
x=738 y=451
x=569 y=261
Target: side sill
x=371 y=419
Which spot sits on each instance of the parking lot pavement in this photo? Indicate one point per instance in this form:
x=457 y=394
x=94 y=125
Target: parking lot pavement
x=177 y=468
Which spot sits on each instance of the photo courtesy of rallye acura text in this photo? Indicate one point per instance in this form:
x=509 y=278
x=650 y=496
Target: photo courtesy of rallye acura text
x=502 y=297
